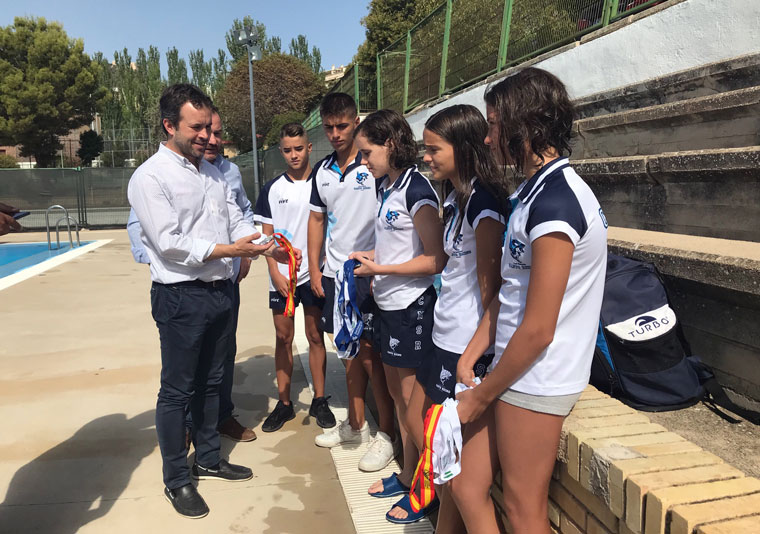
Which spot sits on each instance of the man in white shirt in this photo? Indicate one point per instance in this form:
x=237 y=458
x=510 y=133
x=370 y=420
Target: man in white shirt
x=191 y=230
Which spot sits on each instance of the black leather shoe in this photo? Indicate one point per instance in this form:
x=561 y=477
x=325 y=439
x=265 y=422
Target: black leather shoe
x=187 y=501
x=281 y=414
x=321 y=411
x=222 y=471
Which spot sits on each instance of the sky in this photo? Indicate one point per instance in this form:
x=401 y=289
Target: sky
x=334 y=26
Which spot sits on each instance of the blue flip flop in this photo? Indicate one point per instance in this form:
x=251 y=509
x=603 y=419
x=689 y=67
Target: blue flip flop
x=392 y=486
x=411 y=516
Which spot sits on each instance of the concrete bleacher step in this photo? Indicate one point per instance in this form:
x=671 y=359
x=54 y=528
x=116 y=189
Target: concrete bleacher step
x=722 y=76
x=725 y=120
x=714 y=287
x=711 y=193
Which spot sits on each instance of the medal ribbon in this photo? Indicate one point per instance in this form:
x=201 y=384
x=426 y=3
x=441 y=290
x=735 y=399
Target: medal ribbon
x=290 y=305
x=422 y=491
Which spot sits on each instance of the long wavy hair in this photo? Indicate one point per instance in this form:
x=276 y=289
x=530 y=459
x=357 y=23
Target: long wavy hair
x=465 y=128
x=534 y=114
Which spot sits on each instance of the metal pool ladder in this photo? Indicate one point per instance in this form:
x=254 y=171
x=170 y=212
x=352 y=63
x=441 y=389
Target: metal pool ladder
x=66 y=217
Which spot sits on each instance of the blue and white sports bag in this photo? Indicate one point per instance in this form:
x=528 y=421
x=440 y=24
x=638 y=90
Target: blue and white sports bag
x=641 y=355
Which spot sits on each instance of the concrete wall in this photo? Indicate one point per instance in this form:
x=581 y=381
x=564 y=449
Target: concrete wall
x=674 y=36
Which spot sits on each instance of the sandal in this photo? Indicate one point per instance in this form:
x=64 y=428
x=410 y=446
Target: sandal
x=411 y=516
x=392 y=486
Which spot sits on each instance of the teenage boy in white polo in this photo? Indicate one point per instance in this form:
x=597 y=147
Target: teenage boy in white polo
x=344 y=190
x=283 y=207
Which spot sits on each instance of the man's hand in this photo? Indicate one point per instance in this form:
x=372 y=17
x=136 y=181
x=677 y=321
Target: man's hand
x=280 y=283
x=8 y=210
x=281 y=255
x=316 y=284
x=8 y=224
x=245 y=267
x=245 y=249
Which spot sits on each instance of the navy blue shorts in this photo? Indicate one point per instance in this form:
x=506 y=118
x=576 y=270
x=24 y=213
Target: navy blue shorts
x=438 y=375
x=363 y=295
x=303 y=296
x=404 y=337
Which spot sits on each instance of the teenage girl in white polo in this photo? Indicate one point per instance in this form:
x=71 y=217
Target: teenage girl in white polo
x=408 y=252
x=544 y=323
x=472 y=238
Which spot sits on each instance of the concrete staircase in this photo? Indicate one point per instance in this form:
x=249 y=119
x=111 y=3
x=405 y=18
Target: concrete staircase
x=675 y=163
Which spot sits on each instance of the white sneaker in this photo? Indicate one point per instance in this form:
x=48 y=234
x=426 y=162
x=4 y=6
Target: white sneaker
x=343 y=433
x=379 y=453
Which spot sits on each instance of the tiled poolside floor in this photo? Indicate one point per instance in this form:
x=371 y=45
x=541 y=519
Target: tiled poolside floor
x=79 y=367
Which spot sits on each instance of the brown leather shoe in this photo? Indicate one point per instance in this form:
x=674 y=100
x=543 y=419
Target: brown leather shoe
x=230 y=428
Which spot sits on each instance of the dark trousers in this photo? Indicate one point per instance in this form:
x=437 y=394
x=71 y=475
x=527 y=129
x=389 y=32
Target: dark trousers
x=194 y=324
x=226 y=407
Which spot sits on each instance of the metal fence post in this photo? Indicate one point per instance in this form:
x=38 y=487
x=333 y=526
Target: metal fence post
x=379 y=84
x=406 y=71
x=356 y=88
x=609 y=11
x=506 y=22
x=445 y=51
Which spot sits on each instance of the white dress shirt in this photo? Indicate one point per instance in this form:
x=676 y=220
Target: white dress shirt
x=184 y=213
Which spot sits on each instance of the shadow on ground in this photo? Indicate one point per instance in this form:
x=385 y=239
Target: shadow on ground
x=80 y=479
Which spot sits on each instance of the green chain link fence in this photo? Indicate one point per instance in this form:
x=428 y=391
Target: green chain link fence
x=464 y=41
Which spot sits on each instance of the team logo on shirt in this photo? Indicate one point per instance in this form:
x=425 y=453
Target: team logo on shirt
x=283 y=201
x=361 y=178
x=457 y=246
x=391 y=217
x=604 y=219
x=516 y=250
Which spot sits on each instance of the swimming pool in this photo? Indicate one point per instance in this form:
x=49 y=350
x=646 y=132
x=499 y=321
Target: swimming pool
x=15 y=257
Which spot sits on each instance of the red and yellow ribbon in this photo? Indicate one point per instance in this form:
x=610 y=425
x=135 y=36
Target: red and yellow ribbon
x=290 y=305
x=422 y=491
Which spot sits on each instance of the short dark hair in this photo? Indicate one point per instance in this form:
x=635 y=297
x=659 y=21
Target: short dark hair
x=177 y=95
x=533 y=109
x=387 y=125
x=338 y=105
x=292 y=129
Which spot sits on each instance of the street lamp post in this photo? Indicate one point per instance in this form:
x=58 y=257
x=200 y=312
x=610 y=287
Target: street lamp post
x=248 y=37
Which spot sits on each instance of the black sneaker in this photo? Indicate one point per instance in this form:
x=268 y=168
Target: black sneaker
x=320 y=409
x=187 y=501
x=281 y=414
x=222 y=471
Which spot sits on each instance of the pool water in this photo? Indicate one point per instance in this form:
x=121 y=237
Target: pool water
x=15 y=257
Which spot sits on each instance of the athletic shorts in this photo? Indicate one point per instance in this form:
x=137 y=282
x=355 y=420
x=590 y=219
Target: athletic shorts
x=552 y=405
x=405 y=337
x=364 y=298
x=438 y=375
x=303 y=296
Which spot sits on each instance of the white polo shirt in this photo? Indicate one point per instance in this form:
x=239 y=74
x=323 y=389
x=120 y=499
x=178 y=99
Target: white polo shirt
x=184 y=212
x=555 y=199
x=458 y=310
x=349 y=200
x=284 y=203
x=397 y=240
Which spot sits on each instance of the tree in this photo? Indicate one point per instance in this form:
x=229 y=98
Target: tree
x=90 y=146
x=48 y=87
x=273 y=135
x=270 y=75
x=219 y=67
x=202 y=70
x=299 y=47
x=177 y=67
x=388 y=21
x=8 y=162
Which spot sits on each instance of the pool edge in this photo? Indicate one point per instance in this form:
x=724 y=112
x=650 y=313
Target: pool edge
x=41 y=267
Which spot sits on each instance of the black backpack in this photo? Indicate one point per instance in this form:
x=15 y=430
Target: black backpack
x=642 y=356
